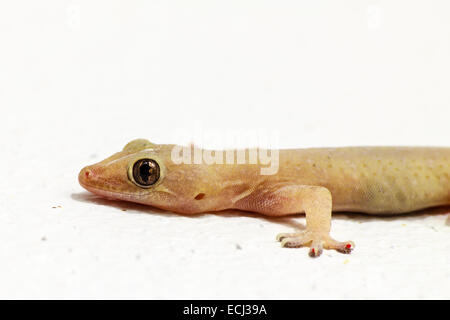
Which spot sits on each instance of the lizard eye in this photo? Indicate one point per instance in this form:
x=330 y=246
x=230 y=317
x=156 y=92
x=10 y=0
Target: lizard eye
x=145 y=172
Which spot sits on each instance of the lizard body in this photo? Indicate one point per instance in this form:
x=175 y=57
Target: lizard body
x=373 y=180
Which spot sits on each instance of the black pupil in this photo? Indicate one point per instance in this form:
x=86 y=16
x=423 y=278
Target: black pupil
x=146 y=172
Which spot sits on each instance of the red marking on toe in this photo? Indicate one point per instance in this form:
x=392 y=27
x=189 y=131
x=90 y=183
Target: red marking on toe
x=86 y=174
x=348 y=246
x=312 y=250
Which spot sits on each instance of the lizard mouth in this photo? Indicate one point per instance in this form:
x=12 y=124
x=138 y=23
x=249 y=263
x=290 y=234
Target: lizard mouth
x=109 y=194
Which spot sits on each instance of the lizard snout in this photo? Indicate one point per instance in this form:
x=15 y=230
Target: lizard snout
x=85 y=175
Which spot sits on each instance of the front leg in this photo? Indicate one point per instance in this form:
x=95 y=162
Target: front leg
x=314 y=201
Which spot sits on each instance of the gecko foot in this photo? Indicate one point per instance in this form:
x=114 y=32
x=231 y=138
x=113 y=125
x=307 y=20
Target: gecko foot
x=315 y=241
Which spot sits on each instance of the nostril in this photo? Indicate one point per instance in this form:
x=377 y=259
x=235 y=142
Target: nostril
x=86 y=176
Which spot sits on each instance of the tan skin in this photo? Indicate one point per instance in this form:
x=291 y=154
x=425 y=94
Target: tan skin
x=373 y=180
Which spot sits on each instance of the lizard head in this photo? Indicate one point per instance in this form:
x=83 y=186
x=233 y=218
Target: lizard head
x=143 y=172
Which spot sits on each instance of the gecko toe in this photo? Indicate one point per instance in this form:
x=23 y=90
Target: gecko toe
x=294 y=242
x=346 y=247
x=315 y=249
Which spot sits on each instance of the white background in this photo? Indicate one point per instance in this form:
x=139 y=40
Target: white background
x=79 y=79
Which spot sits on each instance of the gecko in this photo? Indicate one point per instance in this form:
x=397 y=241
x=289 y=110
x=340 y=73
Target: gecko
x=314 y=182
